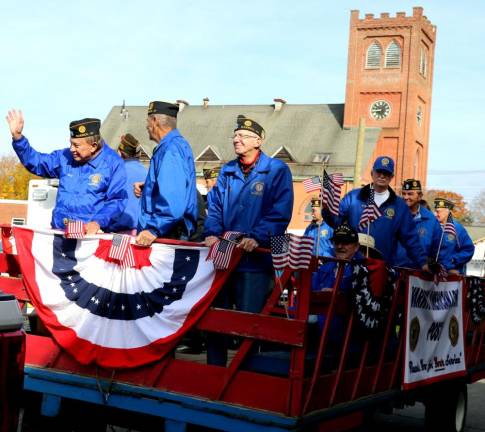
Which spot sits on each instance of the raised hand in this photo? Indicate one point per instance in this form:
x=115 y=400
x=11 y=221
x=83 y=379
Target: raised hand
x=15 y=120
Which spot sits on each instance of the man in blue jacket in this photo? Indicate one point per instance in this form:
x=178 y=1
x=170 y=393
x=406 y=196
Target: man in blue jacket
x=428 y=227
x=169 y=198
x=320 y=231
x=129 y=149
x=91 y=175
x=460 y=246
x=395 y=223
x=253 y=196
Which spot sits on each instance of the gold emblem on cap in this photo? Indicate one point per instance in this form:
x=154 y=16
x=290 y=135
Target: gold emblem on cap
x=81 y=129
x=415 y=183
x=385 y=161
x=248 y=123
x=150 y=107
x=442 y=204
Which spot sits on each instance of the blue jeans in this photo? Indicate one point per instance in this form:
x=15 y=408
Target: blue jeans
x=245 y=292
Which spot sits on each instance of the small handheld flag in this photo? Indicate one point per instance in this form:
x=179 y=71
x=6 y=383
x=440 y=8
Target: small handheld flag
x=312 y=184
x=74 y=229
x=370 y=213
x=332 y=185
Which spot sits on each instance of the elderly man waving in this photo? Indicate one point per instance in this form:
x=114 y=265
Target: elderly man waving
x=91 y=175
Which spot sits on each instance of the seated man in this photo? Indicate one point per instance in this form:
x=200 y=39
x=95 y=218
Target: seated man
x=91 y=175
x=346 y=245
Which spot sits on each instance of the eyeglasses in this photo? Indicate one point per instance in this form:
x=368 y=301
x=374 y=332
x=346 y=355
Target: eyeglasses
x=243 y=136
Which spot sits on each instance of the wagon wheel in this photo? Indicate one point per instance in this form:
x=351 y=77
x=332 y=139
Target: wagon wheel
x=446 y=410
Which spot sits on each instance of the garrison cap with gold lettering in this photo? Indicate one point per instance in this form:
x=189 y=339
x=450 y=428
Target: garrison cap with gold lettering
x=411 y=184
x=167 y=108
x=129 y=144
x=316 y=202
x=345 y=234
x=245 y=123
x=84 y=128
x=211 y=173
x=443 y=203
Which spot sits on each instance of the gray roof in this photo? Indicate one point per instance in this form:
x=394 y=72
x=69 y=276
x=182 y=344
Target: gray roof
x=302 y=130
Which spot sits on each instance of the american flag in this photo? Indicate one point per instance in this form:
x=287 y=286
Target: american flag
x=370 y=213
x=332 y=184
x=221 y=251
x=290 y=250
x=121 y=250
x=74 y=229
x=312 y=184
x=449 y=228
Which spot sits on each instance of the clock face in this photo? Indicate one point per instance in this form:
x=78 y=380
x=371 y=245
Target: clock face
x=380 y=109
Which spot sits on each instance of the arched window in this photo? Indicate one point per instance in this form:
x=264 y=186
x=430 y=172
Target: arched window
x=374 y=53
x=423 y=62
x=393 y=55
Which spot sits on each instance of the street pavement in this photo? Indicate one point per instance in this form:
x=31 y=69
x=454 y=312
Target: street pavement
x=412 y=419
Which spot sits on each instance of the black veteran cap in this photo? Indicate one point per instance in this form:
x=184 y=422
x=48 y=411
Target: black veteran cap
x=316 y=202
x=211 y=173
x=157 y=107
x=345 y=234
x=443 y=203
x=245 y=123
x=84 y=128
x=411 y=184
x=129 y=144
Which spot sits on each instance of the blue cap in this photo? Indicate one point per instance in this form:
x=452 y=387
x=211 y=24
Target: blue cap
x=384 y=163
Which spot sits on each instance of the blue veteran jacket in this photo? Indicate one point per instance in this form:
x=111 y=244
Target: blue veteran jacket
x=128 y=220
x=395 y=224
x=429 y=232
x=321 y=235
x=461 y=251
x=169 y=199
x=91 y=191
x=260 y=206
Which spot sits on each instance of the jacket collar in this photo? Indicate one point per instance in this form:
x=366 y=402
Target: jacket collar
x=365 y=192
x=172 y=134
x=262 y=165
x=99 y=157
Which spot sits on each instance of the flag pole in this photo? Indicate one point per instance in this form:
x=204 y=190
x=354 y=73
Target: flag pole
x=324 y=164
x=441 y=242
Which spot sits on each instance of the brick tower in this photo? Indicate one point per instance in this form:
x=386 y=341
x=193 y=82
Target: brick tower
x=389 y=82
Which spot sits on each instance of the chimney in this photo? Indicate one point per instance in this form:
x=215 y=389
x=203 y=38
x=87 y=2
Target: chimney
x=182 y=104
x=205 y=102
x=278 y=104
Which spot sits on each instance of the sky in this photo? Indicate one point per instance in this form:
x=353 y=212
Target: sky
x=63 y=61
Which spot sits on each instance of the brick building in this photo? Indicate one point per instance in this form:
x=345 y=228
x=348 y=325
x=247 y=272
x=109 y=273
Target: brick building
x=388 y=94
x=389 y=83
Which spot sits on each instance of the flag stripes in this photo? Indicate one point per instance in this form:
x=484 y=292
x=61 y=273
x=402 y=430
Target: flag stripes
x=312 y=184
x=290 y=250
x=370 y=213
x=74 y=229
x=332 y=185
